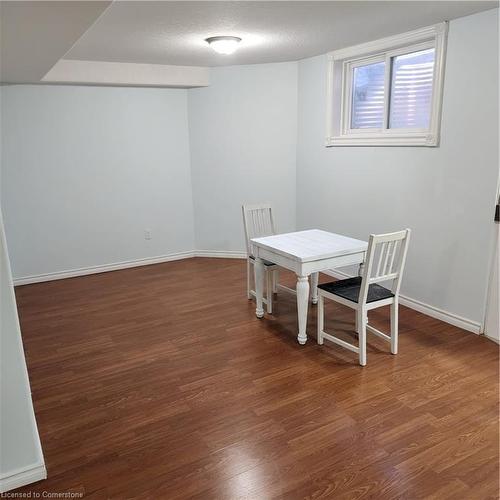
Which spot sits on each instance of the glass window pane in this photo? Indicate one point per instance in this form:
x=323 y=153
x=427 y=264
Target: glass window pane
x=411 y=90
x=368 y=96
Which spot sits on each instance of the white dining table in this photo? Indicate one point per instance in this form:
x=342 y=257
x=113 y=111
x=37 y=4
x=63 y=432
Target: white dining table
x=306 y=253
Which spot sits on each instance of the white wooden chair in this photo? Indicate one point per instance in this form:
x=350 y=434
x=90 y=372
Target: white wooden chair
x=258 y=221
x=363 y=293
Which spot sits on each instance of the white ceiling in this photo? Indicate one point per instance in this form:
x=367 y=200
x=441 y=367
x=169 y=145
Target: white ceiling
x=174 y=32
x=35 y=35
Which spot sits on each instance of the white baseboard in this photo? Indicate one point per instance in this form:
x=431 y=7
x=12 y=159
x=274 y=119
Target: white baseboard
x=446 y=316
x=83 y=271
x=22 y=477
x=493 y=339
x=432 y=311
x=104 y=268
x=115 y=266
x=417 y=305
x=220 y=254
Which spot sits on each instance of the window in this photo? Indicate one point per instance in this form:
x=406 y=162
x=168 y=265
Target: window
x=368 y=90
x=387 y=92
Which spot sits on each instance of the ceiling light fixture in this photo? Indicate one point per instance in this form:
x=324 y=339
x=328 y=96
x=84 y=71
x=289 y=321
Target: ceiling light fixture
x=223 y=44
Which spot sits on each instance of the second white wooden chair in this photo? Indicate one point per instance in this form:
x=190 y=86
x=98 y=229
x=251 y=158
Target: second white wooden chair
x=364 y=293
x=258 y=222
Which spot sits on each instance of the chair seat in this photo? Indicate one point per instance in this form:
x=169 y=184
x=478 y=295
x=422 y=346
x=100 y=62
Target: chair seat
x=266 y=262
x=349 y=289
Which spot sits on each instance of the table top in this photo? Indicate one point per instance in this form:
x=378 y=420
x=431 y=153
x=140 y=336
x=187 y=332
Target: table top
x=310 y=245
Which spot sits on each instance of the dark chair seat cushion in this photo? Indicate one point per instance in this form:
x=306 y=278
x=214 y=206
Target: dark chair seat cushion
x=266 y=262
x=349 y=289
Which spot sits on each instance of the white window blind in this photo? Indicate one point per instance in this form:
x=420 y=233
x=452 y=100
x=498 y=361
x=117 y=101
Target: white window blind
x=411 y=90
x=368 y=96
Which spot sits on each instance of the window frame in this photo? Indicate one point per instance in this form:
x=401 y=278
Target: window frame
x=341 y=64
x=347 y=100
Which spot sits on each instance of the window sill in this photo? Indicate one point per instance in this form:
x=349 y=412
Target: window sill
x=427 y=140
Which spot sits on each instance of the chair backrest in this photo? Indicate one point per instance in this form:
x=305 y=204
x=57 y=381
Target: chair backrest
x=385 y=261
x=258 y=221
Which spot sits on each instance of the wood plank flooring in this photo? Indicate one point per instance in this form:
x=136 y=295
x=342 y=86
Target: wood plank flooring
x=159 y=382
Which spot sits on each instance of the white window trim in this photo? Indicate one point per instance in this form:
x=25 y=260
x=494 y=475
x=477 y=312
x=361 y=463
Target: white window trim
x=338 y=131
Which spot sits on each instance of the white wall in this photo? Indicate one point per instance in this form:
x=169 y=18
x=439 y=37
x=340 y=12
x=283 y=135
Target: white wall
x=492 y=320
x=87 y=169
x=21 y=459
x=444 y=194
x=243 y=131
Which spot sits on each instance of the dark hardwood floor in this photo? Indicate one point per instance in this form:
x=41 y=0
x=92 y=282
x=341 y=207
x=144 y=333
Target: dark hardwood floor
x=159 y=382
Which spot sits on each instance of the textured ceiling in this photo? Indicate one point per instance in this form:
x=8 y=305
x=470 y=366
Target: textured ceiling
x=174 y=32
x=35 y=35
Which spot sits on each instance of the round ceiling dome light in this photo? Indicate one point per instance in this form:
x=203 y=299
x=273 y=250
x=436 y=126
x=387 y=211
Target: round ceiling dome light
x=223 y=44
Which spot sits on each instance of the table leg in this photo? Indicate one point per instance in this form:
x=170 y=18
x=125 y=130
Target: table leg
x=302 y=305
x=314 y=287
x=260 y=271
